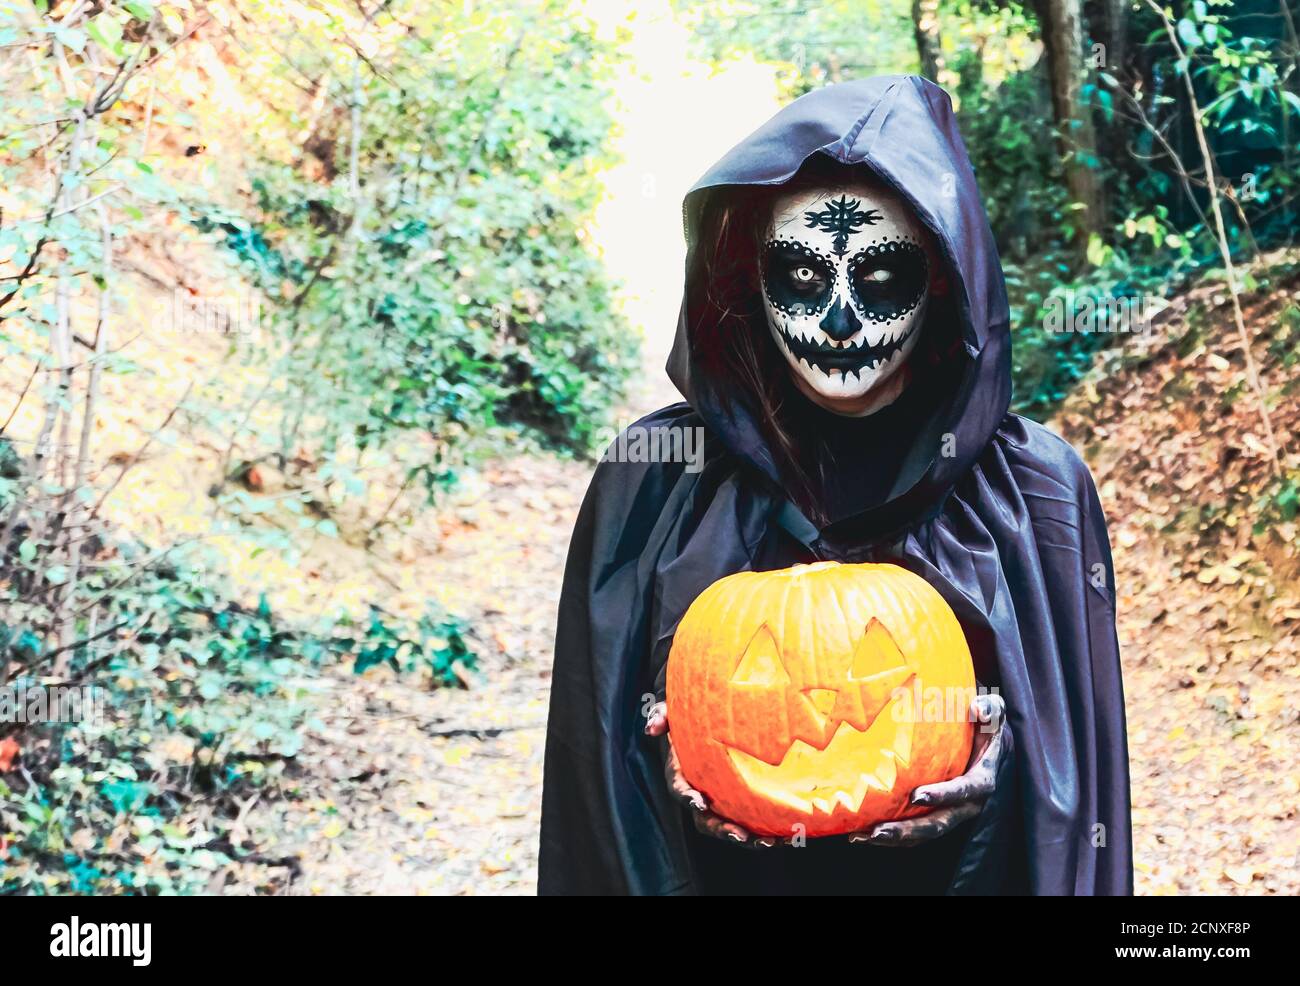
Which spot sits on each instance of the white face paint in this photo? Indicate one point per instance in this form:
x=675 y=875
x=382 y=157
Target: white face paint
x=845 y=280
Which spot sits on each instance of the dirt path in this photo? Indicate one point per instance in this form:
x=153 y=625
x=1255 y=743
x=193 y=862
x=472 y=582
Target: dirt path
x=412 y=791
x=1213 y=703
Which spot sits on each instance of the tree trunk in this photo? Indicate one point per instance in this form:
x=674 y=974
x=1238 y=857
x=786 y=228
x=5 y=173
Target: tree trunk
x=1107 y=22
x=925 y=21
x=1061 y=24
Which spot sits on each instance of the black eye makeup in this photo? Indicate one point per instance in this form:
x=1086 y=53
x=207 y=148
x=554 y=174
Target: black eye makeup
x=888 y=279
x=798 y=279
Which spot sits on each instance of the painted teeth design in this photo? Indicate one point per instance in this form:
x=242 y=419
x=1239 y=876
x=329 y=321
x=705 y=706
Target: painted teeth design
x=851 y=358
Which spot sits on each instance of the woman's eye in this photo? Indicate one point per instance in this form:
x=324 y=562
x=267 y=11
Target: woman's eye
x=804 y=275
x=878 y=276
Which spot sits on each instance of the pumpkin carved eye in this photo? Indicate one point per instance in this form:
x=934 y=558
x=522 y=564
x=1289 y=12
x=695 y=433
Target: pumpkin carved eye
x=790 y=695
x=761 y=662
x=876 y=653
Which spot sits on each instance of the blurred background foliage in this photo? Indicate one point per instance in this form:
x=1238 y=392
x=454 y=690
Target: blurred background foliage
x=367 y=227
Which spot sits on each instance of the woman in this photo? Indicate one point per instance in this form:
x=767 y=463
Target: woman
x=844 y=348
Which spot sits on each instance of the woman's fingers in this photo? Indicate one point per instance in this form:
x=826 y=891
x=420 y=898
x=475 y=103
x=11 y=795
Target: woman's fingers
x=981 y=776
x=914 y=831
x=656 y=721
x=678 y=784
x=976 y=784
x=705 y=821
x=988 y=711
x=720 y=828
x=959 y=799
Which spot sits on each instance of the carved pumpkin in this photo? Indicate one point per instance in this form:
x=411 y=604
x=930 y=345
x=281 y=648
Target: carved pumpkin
x=819 y=696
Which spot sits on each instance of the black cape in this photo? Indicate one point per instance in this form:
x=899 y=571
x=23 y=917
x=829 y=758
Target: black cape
x=994 y=510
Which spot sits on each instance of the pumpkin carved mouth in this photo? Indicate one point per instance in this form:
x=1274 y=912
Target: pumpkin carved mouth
x=820 y=779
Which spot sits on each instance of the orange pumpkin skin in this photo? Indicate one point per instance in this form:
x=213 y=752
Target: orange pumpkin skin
x=804 y=700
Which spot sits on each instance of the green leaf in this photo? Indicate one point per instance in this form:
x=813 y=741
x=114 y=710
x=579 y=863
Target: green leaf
x=1187 y=33
x=71 y=37
x=141 y=10
x=107 y=32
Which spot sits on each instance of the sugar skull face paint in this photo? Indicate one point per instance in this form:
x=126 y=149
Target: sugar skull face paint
x=845 y=276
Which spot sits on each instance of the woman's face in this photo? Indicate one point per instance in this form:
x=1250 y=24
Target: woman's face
x=845 y=279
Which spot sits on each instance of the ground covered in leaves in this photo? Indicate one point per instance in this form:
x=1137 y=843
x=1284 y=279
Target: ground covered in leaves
x=403 y=789
x=1204 y=537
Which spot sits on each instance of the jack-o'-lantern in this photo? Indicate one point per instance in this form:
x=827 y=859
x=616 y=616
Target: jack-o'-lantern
x=815 y=699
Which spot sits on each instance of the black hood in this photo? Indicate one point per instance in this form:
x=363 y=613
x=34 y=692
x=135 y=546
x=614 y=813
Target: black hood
x=902 y=128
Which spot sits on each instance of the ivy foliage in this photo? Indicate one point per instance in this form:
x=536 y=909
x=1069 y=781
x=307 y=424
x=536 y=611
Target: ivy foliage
x=202 y=704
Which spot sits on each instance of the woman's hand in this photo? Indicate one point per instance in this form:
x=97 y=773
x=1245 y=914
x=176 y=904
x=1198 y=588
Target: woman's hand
x=959 y=799
x=705 y=821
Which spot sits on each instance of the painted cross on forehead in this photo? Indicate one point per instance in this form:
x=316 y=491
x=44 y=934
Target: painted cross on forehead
x=844 y=278
x=842 y=217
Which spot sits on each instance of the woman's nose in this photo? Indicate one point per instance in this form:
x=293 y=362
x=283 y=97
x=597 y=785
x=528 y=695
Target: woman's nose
x=841 y=322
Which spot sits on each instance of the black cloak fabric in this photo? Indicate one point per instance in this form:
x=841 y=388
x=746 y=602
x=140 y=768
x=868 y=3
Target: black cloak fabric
x=994 y=510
